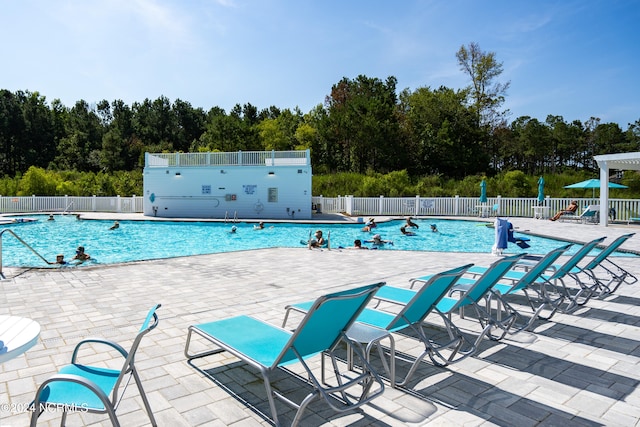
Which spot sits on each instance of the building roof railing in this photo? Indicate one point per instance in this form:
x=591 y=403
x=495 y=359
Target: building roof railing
x=239 y=158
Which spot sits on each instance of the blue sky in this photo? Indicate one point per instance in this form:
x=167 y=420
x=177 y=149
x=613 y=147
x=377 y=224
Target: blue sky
x=576 y=59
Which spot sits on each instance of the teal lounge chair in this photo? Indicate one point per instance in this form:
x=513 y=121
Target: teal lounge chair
x=84 y=388
x=572 y=270
x=474 y=296
x=617 y=275
x=541 y=294
x=411 y=317
x=269 y=348
x=558 y=274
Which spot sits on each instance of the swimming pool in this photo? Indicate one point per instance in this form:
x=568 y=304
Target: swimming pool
x=145 y=240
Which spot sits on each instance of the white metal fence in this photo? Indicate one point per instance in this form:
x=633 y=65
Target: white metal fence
x=356 y=206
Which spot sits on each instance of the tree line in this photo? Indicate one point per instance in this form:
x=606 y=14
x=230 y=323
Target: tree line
x=365 y=125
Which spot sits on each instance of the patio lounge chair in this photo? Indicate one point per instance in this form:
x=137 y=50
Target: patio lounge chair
x=558 y=273
x=475 y=296
x=589 y=215
x=571 y=269
x=617 y=275
x=411 y=317
x=541 y=294
x=86 y=388
x=269 y=348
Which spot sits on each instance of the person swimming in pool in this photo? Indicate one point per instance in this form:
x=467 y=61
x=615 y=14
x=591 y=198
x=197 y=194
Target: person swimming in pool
x=357 y=244
x=115 y=225
x=233 y=229
x=370 y=225
x=260 y=226
x=404 y=231
x=318 y=241
x=378 y=241
x=411 y=223
x=81 y=255
x=434 y=228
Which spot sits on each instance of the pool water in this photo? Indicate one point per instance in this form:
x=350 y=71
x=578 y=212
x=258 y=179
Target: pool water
x=145 y=240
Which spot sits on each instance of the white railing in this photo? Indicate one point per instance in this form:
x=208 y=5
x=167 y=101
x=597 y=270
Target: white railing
x=68 y=204
x=240 y=158
x=355 y=206
x=462 y=206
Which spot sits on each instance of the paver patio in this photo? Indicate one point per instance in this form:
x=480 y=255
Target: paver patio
x=578 y=369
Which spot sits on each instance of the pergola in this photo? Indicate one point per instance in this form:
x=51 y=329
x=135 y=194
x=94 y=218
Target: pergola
x=621 y=161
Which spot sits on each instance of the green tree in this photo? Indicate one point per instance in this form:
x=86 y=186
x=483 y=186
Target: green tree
x=11 y=127
x=80 y=148
x=36 y=181
x=483 y=69
x=363 y=125
x=443 y=138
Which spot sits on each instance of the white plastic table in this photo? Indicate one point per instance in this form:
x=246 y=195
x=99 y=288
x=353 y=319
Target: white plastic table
x=541 y=212
x=484 y=210
x=17 y=335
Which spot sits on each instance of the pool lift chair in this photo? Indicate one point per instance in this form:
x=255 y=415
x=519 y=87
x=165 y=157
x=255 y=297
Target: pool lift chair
x=410 y=318
x=269 y=348
x=85 y=388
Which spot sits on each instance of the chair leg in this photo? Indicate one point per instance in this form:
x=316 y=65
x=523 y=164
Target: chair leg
x=270 y=396
x=144 y=398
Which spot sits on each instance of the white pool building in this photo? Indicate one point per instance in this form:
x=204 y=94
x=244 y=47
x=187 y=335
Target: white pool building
x=242 y=185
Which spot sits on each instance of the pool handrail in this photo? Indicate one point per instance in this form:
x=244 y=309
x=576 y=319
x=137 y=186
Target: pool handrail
x=21 y=241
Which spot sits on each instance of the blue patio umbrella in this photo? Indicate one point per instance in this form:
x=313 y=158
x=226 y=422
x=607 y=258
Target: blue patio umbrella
x=593 y=184
x=483 y=191
x=540 y=190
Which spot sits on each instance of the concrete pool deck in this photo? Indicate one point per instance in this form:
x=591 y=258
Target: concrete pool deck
x=577 y=369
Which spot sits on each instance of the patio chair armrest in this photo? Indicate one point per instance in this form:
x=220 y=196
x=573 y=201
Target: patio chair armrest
x=37 y=406
x=93 y=340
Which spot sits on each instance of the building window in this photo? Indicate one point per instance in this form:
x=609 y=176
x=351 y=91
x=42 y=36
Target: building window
x=206 y=189
x=273 y=195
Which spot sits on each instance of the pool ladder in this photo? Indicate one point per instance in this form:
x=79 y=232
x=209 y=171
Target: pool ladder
x=235 y=216
x=21 y=241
